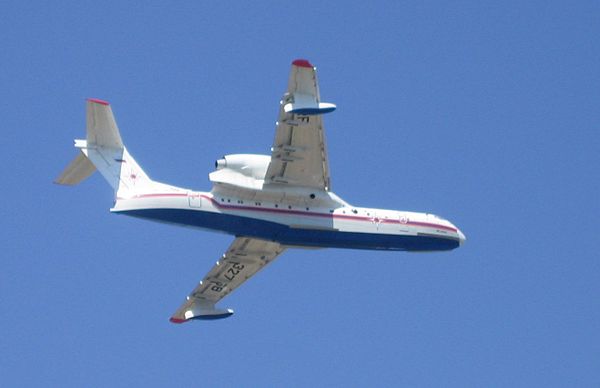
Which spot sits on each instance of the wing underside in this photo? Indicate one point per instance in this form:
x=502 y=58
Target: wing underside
x=244 y=258
x=299 y=154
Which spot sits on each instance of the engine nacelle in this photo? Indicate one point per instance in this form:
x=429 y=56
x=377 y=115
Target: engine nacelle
x=250 y=165
x=243 y=170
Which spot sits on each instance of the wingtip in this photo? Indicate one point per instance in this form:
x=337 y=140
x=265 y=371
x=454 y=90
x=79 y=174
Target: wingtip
x=98 y=101
x=302 y=63
x=177 y=320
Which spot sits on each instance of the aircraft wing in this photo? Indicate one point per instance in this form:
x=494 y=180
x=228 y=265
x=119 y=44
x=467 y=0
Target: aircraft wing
x=299 y=154
x=244 y=257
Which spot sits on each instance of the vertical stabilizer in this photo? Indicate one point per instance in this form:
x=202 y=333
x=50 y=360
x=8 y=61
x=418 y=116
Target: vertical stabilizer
x=101 y=126
x=103 y=150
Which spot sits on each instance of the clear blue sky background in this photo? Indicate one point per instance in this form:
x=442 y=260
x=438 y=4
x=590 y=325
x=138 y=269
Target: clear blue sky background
x=483 y=112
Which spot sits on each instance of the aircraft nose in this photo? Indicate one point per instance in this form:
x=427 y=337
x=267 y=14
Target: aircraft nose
x=461 y=237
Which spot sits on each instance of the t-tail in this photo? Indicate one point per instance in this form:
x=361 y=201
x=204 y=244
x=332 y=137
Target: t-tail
x=103 y=150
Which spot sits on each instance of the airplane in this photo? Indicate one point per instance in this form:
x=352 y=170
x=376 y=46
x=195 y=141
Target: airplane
x=269 y=203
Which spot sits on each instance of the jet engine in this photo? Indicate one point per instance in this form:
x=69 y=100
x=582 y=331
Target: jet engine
x=243 y=170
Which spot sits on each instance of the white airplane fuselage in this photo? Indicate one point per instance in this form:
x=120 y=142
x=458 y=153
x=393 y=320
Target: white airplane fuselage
x=308 y=219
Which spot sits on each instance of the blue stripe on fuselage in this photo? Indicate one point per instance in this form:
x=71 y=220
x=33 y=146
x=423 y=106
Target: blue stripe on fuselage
x=267 y=230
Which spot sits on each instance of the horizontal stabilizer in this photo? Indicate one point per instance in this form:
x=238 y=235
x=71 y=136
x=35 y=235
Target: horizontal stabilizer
x=78 y=170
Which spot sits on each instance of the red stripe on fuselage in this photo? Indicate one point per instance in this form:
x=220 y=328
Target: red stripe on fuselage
x=302 y=213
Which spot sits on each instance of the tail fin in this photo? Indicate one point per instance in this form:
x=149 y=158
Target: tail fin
x=103 y=150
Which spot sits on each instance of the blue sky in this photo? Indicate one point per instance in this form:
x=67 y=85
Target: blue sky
x=483 y=112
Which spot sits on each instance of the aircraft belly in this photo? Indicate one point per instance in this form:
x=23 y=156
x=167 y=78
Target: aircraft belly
x=296 y=235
